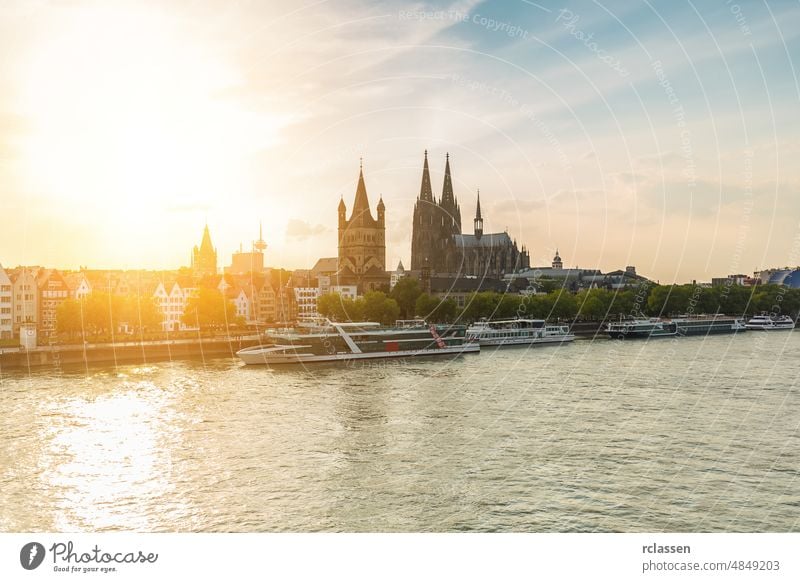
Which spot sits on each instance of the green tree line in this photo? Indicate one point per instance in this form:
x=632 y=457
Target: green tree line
x=100 y=313
x=408 y=300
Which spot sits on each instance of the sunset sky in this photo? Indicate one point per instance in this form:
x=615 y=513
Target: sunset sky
x=663 y=135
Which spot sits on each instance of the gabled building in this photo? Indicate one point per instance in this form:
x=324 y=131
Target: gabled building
x=26 y=297
x=79 y=285
x=53 y=291
x=171 y=298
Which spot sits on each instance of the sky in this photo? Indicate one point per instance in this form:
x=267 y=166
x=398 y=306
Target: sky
x=663 y=135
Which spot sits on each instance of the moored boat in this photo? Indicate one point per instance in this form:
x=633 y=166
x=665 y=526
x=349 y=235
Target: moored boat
x=516 y=332
x=641 y=328
x=765 y=322
x=709 y=324
x=344 y=342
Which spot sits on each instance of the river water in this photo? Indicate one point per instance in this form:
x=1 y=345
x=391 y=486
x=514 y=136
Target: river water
x=690 y=434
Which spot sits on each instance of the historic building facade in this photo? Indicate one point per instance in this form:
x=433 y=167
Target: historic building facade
x=362 y=243
x=438 y=245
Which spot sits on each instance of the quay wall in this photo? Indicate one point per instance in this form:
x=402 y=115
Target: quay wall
x=122 y=353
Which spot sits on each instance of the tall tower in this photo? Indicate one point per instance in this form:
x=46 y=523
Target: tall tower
x=425 y=230
x=362 y=242
x=204 y=258
x=260 y=244
x=478 y=222
x=451 y=211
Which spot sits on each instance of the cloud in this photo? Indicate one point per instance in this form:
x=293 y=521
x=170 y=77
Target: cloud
x=299 y=230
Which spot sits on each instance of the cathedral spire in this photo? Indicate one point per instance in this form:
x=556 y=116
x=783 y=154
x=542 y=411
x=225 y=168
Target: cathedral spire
x=426 y=192
x=447 y=189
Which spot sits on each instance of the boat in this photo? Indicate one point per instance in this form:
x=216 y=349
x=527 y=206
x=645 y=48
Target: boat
x=686 y=325
x=641 y=328
x=516 y=332
x=709 y=324
x=766 y=322
x=347 y=342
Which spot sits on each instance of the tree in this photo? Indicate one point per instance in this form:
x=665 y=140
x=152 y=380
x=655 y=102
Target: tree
x=436 y=310
x=208 y=308
x=405 y=293
x=141 y=313
x=69 y=318
x=565 y=306
x=481 y=305
x=373 y=306
x=378 y=307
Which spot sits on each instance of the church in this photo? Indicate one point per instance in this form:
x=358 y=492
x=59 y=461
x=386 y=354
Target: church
x=362 y=243
x=437 y=243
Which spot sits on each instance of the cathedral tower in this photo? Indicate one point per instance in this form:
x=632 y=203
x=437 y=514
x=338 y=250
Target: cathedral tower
x=425 y=230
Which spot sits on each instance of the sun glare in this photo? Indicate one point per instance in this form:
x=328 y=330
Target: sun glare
x=127 y=117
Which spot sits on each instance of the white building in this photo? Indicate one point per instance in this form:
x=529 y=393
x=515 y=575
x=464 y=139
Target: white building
x=345 y=291
x=171 y=300
x=306 y=300
x=79 y=286
x=6 y=305
x=242 y=303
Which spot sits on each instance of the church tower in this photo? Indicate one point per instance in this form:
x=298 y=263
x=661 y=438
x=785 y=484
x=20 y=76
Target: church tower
x=362 y=242
x=426 y=226
x=204 y=258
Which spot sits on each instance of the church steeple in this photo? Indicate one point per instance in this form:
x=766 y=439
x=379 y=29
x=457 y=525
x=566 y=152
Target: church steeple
x=361 y=204
x=478 y=222
x=425 y=191
x=205 y=244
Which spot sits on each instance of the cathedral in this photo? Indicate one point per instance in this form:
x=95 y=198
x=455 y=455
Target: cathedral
x=438 y=244
x=362 y=243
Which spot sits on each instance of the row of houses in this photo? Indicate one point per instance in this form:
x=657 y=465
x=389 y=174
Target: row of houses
x=30 y=295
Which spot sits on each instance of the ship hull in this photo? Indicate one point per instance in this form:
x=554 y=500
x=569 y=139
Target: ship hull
x=525 y=341
x=253 y=356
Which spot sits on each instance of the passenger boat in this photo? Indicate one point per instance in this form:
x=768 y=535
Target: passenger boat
x=345 y=342
x=765 y=322
x=680 y=326
x=516 y=332
x=641 y=328
x=709 y=324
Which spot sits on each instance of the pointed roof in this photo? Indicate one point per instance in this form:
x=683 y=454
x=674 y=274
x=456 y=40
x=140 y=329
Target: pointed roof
x=447 y=188
x=205 y=244
x=342 y=207
x=361 y=203
x=425 y=191
x=400 y=267
x=381 y=205
x=478 y=209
